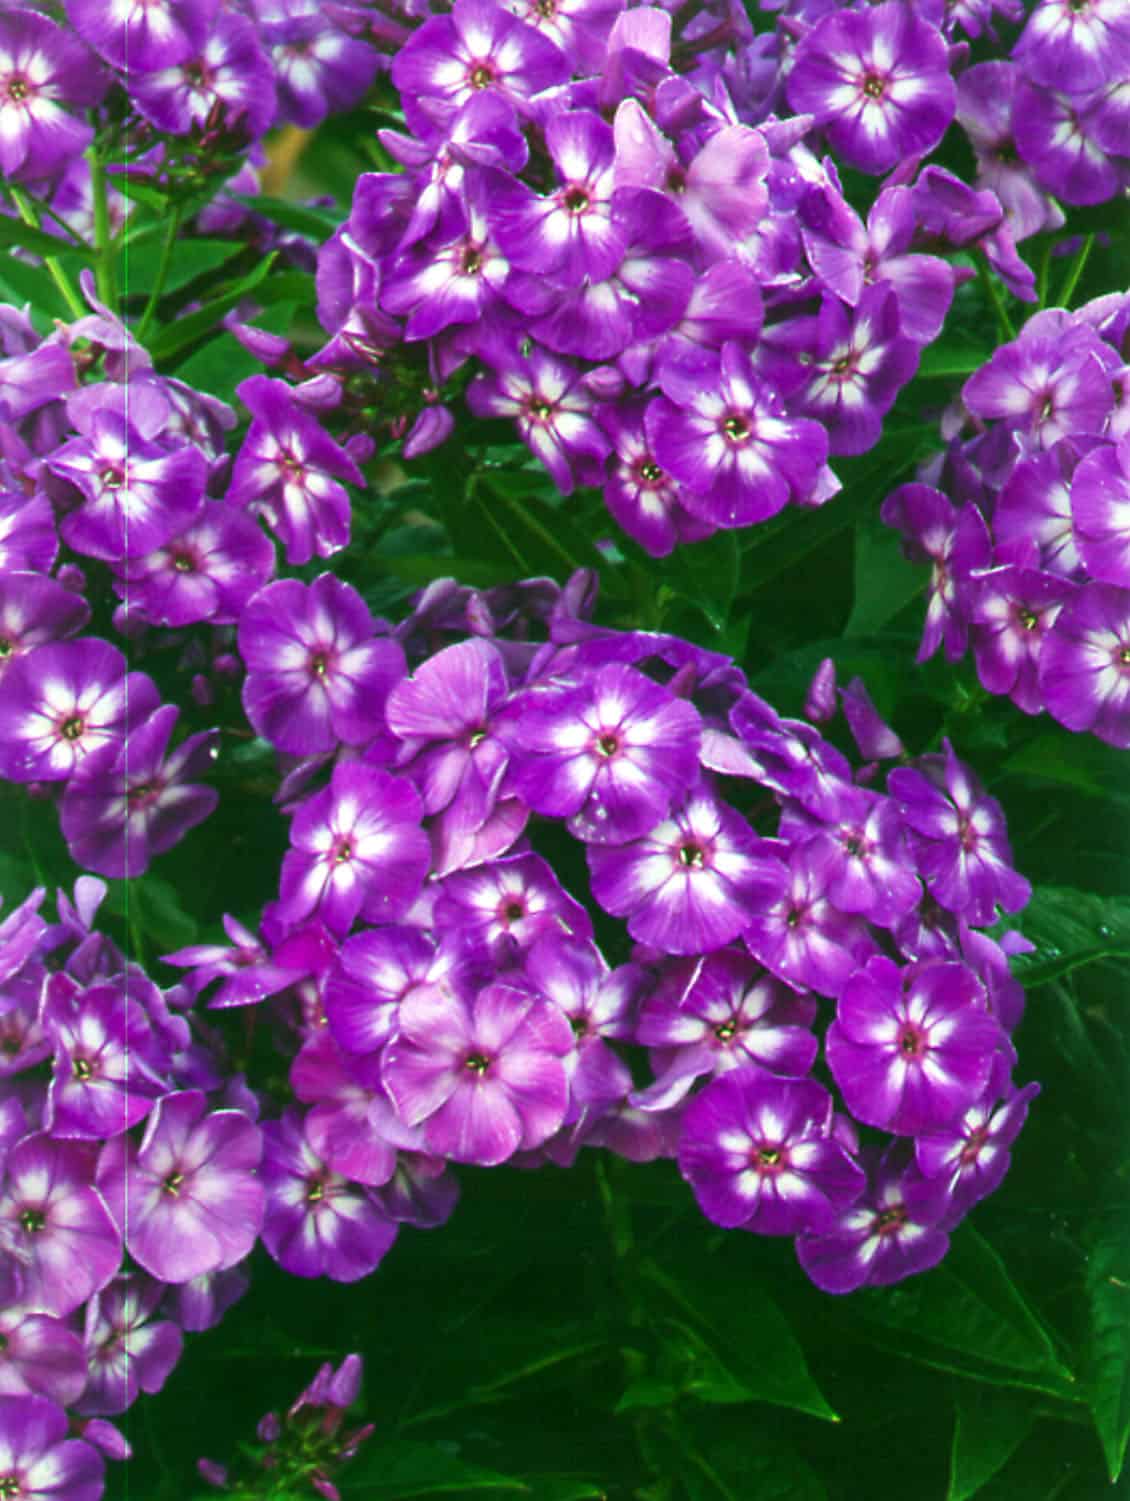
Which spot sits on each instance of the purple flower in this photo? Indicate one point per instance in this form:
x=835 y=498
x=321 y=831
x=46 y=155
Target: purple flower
x=971 y=1156
x=912 y=1048
x=42 y=69
x=107 y=1062
x=552 y=410
x=38 y=1462
x=127 y=802
x=1084 y=41
x=376 y=970
x=39 y=1355
x=877 y=82
x=863 y=858
x=1085 y=664
x=207 y=572
x=957 y=833
x=1051 y=383
x=444 y=713
x=610 y=755
x=317 y=1223
x=507 y=904
x=892 y=1233
x=230 y=81
x=955 y=543
x=598 y=1004
x=316 y=674
x=187 y=1198
x=478 y=46
x=572 y=234
x=691 y=884
x=27 y=533
x=1100 y=508
x=319 y=68
x=33 y=611
x=63 y=701
x=1012 y=610
x=724 y=436
x=290 y=469
x=1032 y=521
x=56 y=1224
x=352 y=1125
x=127 y=1349
x=356 y=847
x=484 y=1077
x=641 y=496
x=717 y=1013
x=142 y=36
x=758 y=1153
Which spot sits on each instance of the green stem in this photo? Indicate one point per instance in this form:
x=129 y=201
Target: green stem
x=103 y=248
x=27 y=212
x=1042 y=276
x=989 y=282
x=162 y=274
x=535 y=526
x=1071 y=280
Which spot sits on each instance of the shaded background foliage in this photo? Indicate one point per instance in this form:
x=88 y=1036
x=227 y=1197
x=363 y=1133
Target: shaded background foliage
x=587 y=1333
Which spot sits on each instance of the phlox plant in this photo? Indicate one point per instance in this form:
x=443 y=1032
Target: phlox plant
x=469 y=762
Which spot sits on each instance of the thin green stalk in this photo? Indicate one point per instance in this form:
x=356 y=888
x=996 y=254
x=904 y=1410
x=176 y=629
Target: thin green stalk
x=1043 y=276
x=27 y=212
x=989 y=282
x=536 y=526
x=1078 y=265
x=103 y=246
x=162 y=274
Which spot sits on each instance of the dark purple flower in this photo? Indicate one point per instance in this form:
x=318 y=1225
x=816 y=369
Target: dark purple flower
x=290 y=470
x=127 y=1349
x=39 y=1355
x=56 y=1224
x=862 y=856
x=641 y=496
x=954 y=543
x=610 y=755
x=1012 y=610
x=42 y=69
x=892 y=1233
x=691 y=884
x=27 y=533
x=484 y=1077
x=912 y=1048
x=63 y=701
x=723 y=434
x=317 y=1223
x=127 y=802
x=758 y=1153
x=187 y=1198
x=598 y=1004
x=957 y=833
x=1084 y=42
x=38 y=1462
x=877 y=82
x=1085 y=664
x=319 y=68
x=316 y=674
x=356 y=847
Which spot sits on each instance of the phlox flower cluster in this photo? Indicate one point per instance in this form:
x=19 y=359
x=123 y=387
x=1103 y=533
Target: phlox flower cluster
x=184 y=67
x=1025 y=521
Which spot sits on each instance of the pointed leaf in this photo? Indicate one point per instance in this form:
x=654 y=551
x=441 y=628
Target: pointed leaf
x=1108 y=1301
x=752 y=1338
x=991 y=1425
x=401 y=1470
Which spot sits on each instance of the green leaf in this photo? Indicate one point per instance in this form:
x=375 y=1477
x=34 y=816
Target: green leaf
x=991 y=1425
x=647 y=1391
x=885 y=581
x=1070 y=929
x=193 y=326
x=971 y=1307
x=21 y=282
x=39 y=242
x=951 y=361
x=751 y=1338
x=314 y=223
x=151 y=906
x=403 y=1469
x=707 y=575
x=190 y=259
x=565 y=1488
x=1108 y=1303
